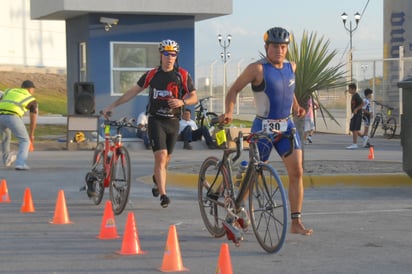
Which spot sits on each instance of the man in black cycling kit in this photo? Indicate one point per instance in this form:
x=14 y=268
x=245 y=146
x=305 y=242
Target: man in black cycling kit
x=170 y=89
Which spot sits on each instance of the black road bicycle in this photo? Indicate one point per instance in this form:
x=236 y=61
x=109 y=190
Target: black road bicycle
x=223 y=204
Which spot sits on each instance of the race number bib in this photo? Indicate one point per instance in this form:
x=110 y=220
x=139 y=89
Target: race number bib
x=270 y=126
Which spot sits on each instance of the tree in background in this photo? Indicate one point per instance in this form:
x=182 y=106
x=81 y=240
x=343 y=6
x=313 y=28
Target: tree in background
x=314 y=72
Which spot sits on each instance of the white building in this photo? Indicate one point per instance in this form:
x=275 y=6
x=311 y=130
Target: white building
x=30 y=43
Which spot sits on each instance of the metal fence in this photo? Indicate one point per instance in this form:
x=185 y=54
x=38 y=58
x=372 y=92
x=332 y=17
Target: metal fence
x=381 y=76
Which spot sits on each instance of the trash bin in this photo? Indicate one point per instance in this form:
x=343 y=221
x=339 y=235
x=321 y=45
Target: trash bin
x=406 y=125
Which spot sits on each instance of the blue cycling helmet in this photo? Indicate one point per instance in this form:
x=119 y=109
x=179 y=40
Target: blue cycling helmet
x=276 y=35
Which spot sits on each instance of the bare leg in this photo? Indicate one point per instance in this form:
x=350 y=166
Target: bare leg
x=293 y=164
x=160 y=169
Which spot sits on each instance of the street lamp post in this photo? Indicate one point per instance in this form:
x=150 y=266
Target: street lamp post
x=364 y=68
x=350 y=29
x=225 y=56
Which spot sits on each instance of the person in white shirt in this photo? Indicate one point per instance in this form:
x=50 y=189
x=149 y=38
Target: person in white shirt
x=189 y=131
x=142 y=129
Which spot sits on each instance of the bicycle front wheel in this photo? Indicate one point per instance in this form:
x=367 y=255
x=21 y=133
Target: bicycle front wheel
x=390 y=128
x=210 y=116
x=375 y=125
x=268 y=208
x=120 y=180
x=210 y=196
x=98 y=172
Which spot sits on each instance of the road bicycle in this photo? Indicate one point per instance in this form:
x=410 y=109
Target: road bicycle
x=111 y=166
x=386 y=120
x=222 y=203
x=204 y=117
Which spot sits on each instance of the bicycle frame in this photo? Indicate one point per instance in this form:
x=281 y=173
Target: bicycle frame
x=110 y=147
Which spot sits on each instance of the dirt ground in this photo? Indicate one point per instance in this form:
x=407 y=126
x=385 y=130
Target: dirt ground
x=42 y=80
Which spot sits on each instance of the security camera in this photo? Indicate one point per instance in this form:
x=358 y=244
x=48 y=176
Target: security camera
x=109 y=21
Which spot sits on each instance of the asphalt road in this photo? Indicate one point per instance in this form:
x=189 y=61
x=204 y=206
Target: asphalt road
x=358 y=228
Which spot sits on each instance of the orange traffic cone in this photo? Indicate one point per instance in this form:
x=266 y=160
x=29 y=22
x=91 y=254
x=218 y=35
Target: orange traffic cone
x=371 y=155
x=224 y=264
x=27 y=206
x=4 y=192
x=172 y=259
x=61 y=215
x=131 y=243
x=108 y=227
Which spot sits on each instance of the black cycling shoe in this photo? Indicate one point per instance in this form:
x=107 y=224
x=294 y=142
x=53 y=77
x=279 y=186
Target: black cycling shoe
x=155 y=189
x=164 y=201
x=90 y=182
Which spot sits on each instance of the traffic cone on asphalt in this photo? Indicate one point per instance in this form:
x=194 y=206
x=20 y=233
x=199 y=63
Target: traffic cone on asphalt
x=108 y=229
x=371 y=155
x=27 y=206
x=4 y=192
x=61 y=215
x=172 y=259
x=224 y=263
x=131 y=243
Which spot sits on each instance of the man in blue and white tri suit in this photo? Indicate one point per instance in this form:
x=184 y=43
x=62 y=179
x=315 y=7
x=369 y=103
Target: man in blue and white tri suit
x=273 y=84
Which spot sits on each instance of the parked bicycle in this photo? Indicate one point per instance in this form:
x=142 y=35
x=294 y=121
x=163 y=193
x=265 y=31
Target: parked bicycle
x=111 y=166
x=222 y=203
x=204 y=117
x=385 y=119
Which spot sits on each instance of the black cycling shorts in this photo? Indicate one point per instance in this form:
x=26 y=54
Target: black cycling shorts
x=163 y=133
x=355 y=122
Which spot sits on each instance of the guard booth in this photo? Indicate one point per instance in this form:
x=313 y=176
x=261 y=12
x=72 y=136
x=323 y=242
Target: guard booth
x=406 y=125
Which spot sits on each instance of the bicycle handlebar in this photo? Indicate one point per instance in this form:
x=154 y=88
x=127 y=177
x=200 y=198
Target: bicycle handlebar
x=200 y=103
x=383 y=105
x=123 y=122
x=274 y=137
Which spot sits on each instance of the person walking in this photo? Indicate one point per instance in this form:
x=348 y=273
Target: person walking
x=189 y=132
x=170 y=89
x=273 y=84
x=367 y=114
x=15 y=102
x=356 y=105
x=309 y=127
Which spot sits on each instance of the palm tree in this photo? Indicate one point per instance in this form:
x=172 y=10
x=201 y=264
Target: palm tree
x=314 y=72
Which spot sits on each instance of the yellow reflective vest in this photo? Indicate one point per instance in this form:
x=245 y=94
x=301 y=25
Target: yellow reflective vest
x=15 y=101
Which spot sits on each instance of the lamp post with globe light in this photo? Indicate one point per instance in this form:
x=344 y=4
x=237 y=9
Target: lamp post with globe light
x=350 y=29
x=225 y=56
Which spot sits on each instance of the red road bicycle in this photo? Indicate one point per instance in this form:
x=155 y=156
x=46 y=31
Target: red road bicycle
x=111 y=167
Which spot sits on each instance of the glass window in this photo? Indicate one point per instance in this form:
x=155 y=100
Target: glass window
x=129 y=62
x=82 y=62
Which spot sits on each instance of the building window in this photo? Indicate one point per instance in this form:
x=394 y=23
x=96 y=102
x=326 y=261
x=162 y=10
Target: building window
x=129 y=61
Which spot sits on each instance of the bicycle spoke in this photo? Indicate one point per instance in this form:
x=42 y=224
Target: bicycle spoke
x=268 y=210
x=120 y=180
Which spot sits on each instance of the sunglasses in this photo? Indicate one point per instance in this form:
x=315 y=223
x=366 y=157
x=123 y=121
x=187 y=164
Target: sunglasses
x=167 y=53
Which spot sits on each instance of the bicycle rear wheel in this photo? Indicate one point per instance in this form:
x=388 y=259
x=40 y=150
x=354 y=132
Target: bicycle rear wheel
x=375 y=125
x=98 y=172
x=390 y=128
x=210 y=196
x=120 y=180
x=268 y=208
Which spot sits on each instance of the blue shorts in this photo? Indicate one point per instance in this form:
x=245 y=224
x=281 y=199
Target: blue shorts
x=282 y=146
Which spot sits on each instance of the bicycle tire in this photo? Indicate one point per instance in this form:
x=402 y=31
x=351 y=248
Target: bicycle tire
x=390 y=128
x=209 y=117
x=211 y=205
x=268 y=208
x=98 y=171
x=120 y=180
x=375 y=125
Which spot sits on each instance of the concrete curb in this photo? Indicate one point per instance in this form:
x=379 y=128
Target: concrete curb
x=310 y=181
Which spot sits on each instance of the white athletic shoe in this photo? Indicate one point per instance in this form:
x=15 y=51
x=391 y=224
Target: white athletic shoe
x=352 y=146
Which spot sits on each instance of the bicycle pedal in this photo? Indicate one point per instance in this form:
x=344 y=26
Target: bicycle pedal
x=232 y=233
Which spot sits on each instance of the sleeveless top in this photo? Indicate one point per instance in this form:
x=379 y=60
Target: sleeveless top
x=274 y=97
